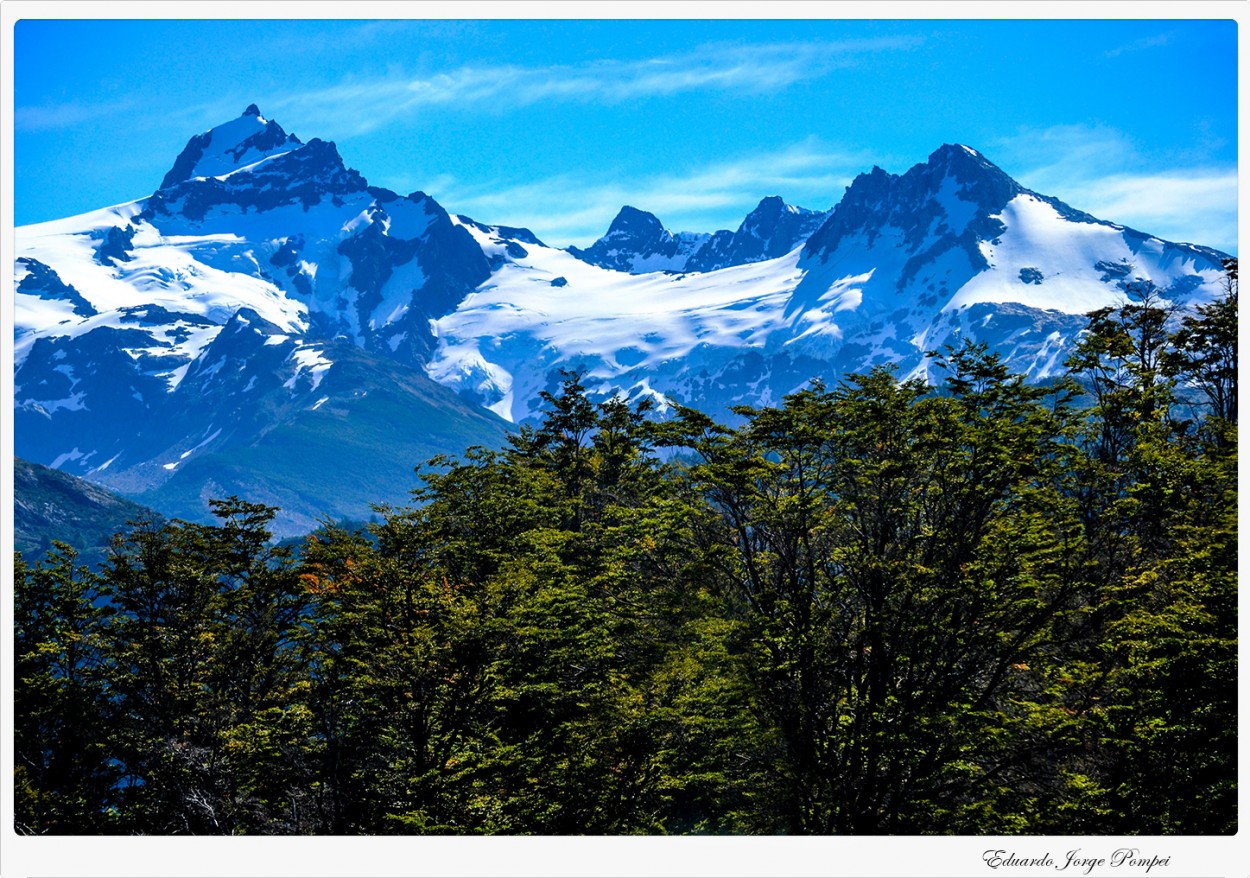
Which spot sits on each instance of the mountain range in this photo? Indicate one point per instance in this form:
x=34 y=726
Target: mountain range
x=268 y=324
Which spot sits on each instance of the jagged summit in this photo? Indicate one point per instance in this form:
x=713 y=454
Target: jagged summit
x=771 y=205
x=954 y=187
x=302 y=174
x=772 y=229
x=956 y=151
x=779 y=224
x=230 y=146
x=637 y=242
x=768 y=213
x=632 y=226
x=985 y=182
x=956 y=190
x=630 y=219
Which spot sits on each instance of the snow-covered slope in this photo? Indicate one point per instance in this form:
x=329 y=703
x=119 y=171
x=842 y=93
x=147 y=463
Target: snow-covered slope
x=903 y=265
x=549 y=310
x=128 y=320
x=266 y=305
x=229 y=147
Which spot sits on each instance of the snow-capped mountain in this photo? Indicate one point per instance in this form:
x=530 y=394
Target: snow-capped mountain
x=201 y=322
x=638 y=243
x=902 y=265
x=268 y=324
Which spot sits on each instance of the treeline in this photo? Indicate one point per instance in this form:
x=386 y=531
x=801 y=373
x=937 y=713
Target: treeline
x=983 y=607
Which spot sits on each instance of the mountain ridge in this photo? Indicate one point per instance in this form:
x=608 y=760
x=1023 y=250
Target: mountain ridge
x=637 y=242
x=207 y=319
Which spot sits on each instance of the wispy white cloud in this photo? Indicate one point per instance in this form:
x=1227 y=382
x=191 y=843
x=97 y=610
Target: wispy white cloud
x=756 y=69
x=1150 y=42
x=49 y=117
x=1195 y=205
x=1062 y=151
x=353 y=35
x=577 y=209
x=1102 y=171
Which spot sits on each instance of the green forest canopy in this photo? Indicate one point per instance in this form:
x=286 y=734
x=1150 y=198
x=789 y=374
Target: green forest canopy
x=985 y=607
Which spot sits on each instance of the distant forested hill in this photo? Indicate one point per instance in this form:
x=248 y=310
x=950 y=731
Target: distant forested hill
x=51 y=505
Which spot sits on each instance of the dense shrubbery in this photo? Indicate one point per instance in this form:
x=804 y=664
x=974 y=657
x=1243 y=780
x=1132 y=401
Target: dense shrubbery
x=987 y=607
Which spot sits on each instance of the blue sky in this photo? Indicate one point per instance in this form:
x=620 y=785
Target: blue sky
x=554 y=125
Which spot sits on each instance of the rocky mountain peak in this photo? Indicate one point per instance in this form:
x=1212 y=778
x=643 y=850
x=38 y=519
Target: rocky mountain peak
x=230 y=146
x=773 y=228
x=955 y=189
x=637 y=242
x=630 y=221
x=980 y=181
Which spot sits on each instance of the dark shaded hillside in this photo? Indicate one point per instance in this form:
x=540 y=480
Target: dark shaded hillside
x=51 y=505
x=354 y=439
